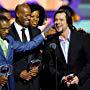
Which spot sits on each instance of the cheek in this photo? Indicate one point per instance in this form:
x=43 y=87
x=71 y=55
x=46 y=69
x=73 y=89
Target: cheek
x=38 y=20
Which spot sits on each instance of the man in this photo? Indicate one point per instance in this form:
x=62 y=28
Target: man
x=71 y=68
x=7 y=46
x=21 y=60
x=6 y=13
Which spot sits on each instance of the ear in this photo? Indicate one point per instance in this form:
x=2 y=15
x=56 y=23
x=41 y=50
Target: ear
x=18 y=14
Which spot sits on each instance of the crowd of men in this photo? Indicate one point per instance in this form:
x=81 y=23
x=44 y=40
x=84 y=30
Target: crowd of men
x=58 y=59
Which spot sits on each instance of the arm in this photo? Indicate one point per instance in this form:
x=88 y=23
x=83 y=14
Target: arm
x=19 y=46
x=85 y=73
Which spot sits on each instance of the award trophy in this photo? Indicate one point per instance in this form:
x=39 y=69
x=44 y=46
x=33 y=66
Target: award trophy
x=33 y=63
x=5 y=71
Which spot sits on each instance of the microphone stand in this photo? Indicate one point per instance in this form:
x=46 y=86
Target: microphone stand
x=53 y=46
x=56 y=69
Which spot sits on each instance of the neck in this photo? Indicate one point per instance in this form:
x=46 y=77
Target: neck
x=65 y=33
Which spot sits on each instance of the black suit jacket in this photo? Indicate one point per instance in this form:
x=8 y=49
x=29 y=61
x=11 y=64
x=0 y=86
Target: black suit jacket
x=78 y=57
x=20 y=60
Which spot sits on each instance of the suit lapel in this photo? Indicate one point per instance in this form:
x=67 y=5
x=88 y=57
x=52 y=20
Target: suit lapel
x=72 y=46
x=1 y=52
x=14 y=33
x=59 y=51
x=10 y=50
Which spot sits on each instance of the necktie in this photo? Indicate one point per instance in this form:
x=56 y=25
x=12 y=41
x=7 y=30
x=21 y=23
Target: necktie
x=24 y=38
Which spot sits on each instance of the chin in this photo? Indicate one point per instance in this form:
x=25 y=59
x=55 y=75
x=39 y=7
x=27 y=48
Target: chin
x=26 y=24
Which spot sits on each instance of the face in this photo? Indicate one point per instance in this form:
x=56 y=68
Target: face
x=4 y=28
x=34 y=19
x=7 y=14
x=23 y=15
x=60 y=22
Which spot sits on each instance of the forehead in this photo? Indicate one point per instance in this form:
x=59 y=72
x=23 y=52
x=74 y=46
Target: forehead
x=60 y=15
x=35 y=12
x=24 y=10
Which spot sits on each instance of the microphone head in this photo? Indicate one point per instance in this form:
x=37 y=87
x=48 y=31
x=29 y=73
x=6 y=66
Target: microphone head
x=52 y=45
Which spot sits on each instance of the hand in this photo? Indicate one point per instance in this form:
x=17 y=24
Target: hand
x=25 y=75
x=34 y=71
x=68 y=79
x=81 y=30
x=51 y=31
x=75 y=80
x=3 y=80
x=64 y=79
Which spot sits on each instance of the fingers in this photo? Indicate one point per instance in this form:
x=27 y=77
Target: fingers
x=28 y=75
x=75 y=80
x=3 y=80
x=25 y=75
x=68 y=80
x=51 y=31
x=34 y=71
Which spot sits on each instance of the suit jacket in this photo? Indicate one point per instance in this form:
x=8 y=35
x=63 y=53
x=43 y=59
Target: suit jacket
x=18 y=46
x=21 y=61
x=78 y=58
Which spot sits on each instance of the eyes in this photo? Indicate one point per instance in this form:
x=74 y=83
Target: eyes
x=59 y=20
x=32 y=16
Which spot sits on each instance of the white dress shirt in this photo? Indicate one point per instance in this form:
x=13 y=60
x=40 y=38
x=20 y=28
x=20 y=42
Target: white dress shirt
x=65 y=46
x=18 y=29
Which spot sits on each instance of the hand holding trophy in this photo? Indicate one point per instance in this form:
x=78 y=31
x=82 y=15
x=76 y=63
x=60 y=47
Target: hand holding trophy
x=33 y=66
x=5 y=71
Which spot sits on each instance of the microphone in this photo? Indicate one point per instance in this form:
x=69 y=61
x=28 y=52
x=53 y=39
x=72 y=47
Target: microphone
x=52 y=45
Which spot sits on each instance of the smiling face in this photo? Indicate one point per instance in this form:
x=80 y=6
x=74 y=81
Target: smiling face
x=23 y=15
x=34 y=19
x=60 y=21
x=4 y=28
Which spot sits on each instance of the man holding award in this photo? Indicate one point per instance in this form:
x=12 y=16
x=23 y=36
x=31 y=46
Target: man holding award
x=7 y=47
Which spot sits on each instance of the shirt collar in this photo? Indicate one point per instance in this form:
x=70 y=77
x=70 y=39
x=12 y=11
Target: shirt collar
x=1 y=39
x=63 y=39
x=18 y=27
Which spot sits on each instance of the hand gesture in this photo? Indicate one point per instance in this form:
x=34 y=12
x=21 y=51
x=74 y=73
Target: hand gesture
x=3 y=80
x=26 y=75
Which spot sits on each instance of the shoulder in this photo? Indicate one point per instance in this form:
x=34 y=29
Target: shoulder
x=10 y=38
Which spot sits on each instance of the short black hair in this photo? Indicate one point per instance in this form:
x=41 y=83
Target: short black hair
x=68 y=16
x=34 y=7
x=3 y=10
x=3 y=18
x=65 y=7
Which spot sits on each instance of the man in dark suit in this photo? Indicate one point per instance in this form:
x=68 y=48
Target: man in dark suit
x=7 y=47
x=70 y=67
x=21 y=60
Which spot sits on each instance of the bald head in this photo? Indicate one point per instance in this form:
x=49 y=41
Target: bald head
x=22 y=7
x=23 y=13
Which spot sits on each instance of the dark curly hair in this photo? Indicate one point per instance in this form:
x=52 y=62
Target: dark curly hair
x=37 y=7
x=68 y=16
x=65 y=7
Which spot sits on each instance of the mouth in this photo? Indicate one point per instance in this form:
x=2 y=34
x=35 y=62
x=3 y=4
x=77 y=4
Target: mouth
x=26 y=23
x=35 y=23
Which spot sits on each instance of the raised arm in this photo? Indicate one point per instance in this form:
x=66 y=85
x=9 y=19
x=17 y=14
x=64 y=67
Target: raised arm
x=20 y=46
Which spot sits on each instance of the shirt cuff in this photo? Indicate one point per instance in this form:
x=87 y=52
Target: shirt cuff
x=43 y=34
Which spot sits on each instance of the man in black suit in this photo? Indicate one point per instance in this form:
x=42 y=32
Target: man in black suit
x=24 y=80
x=70 y=68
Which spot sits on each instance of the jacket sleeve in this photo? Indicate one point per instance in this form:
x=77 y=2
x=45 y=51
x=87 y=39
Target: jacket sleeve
x=20 y=46
x=85 y=72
